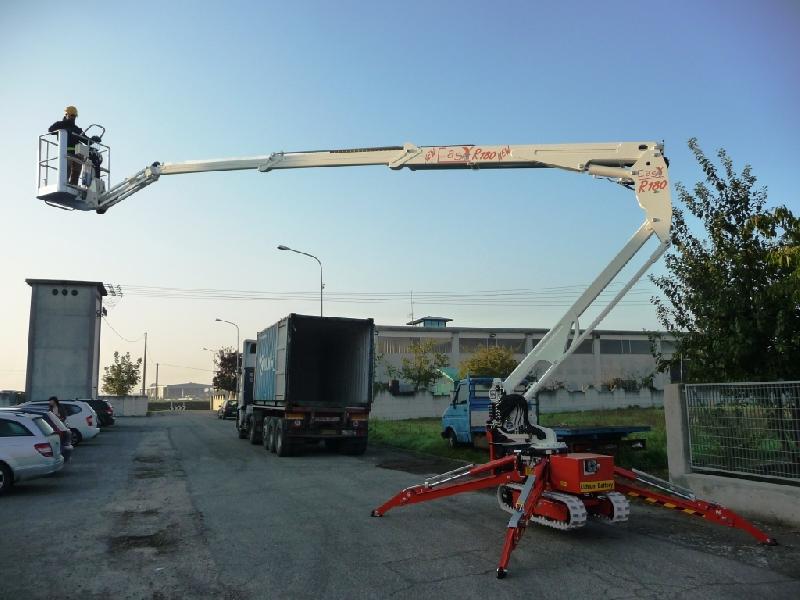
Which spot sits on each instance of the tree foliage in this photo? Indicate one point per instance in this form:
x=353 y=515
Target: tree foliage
x=226 y=364
x=121 y=377
x=422 y=369
x=489 y=362
x=732 y=298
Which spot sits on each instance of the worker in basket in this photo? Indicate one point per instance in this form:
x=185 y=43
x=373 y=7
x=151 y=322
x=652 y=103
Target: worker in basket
x=75 y=133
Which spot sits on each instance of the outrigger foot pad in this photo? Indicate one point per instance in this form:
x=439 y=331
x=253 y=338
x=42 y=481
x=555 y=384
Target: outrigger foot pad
x=501 y=573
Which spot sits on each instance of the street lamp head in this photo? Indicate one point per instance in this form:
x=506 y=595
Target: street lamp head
x=218 y=319
x=282 y=247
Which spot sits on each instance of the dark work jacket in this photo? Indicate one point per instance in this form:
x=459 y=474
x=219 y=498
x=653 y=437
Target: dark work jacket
x=69 y=126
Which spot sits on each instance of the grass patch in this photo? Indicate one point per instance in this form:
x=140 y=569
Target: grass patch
x=424 y=435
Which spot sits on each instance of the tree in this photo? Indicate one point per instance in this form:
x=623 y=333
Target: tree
x=732 y=300
x=121 y=377
x=489 y=362
x=226 y=362
x=423 y=369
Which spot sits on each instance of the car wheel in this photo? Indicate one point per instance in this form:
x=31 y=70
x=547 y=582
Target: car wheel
x=282 y=447
x=452 y=439
x=77 y=438
x=6 y=478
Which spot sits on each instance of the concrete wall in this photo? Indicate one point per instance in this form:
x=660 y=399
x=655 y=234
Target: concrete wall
x=423 y=404
x=128 y=406
x=768 y=501
x=396 y=408
x=63 y=340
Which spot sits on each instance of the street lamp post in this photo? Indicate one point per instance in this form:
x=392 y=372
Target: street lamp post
x=321 y=285
x=236 y=352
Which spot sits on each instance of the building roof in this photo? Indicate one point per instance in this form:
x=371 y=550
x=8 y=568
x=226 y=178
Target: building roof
x=190 y=384
x=423 y=319
x=501 y=330
x=97 y=284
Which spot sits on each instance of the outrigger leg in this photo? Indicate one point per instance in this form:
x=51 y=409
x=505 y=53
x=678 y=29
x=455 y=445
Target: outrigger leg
x=491 y=474
x=523 y=510
x=684 y=500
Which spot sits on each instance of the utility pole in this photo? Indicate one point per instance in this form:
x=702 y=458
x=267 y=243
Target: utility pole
x=144 y=370
x=156 y=381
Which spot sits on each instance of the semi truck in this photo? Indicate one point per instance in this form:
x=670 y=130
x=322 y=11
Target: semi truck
x=312 y=382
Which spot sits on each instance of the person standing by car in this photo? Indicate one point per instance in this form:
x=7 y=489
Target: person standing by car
x=75 y=133
x=56 y=409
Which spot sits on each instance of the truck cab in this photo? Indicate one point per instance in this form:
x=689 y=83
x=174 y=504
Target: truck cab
x=464 y=420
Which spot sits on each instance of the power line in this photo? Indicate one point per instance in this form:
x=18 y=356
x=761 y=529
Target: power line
x=122 y=337
x=516 y=297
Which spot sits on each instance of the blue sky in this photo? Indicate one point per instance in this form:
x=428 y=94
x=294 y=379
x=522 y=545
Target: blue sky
x=191 y=80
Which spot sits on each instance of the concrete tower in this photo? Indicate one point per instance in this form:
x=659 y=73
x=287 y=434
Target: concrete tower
x=64 y=339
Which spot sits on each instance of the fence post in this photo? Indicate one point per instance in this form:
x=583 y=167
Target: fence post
x=677 y=432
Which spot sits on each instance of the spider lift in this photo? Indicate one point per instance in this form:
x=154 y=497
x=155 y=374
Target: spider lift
x=537 y=480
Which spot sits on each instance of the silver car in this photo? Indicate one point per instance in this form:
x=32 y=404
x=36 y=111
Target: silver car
x=29 y=448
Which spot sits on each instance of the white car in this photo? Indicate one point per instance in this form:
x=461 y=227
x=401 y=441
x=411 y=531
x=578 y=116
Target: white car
x=28 y=448
x=81 y=419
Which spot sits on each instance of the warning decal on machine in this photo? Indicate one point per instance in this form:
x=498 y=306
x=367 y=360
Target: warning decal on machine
x=597 y=486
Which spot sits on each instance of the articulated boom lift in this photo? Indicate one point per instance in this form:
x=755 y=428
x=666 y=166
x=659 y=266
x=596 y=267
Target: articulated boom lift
x=537 y=480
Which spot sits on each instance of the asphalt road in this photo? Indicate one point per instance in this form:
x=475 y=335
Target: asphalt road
x=176 y=506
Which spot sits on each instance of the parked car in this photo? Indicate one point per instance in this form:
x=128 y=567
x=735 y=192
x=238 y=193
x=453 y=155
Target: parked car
x=227 y=409
x=64 y=434
x=29 y=448
x=81 y=419
x=104 y=410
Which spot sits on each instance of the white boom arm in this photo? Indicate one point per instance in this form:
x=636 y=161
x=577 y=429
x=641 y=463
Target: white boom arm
x=639 y=166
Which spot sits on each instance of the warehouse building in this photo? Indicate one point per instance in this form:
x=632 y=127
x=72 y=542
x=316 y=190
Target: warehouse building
x=606 y=359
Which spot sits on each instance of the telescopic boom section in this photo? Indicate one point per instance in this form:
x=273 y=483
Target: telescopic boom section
x=639 y=166
x=614 y=160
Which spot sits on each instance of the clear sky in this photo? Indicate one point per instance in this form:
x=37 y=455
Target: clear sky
x=176 y=81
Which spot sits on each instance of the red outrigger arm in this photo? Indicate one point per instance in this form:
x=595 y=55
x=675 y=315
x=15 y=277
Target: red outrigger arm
x=700 y=508
x=523 y=509
x=490 y=474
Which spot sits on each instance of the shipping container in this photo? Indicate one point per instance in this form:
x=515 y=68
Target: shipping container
x=312 y=382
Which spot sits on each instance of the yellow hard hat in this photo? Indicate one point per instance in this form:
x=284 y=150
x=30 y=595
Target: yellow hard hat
x=71 y=111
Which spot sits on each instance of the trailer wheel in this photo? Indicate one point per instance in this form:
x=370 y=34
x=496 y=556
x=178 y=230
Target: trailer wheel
x=266 y=432
x=271 y=435
x=333 y=445
x=356 y=447
x=282 y=447
x=253 y=433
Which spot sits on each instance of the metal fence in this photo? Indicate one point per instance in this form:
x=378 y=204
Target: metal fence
x=745 y=428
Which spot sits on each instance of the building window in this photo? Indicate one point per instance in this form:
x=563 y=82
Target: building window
x=624 y=346
x=402 y=345
x=469 y=345
x=516 y=346
x=585 y=347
